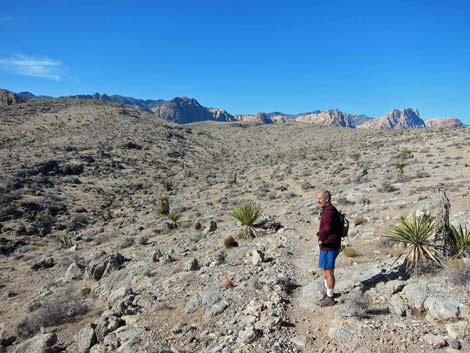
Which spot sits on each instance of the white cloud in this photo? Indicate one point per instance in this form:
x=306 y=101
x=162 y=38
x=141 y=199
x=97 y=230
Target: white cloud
x=34 y=67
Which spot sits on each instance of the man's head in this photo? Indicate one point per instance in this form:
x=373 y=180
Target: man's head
x=323 y=198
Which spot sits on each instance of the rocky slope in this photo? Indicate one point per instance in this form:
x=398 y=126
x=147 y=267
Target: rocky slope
x=90 y=262
x=9 y=98
x=184 y=110
x=442 y=122
x=396 y=119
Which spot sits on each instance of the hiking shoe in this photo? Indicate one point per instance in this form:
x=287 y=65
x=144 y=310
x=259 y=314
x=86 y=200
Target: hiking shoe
x=327 y=301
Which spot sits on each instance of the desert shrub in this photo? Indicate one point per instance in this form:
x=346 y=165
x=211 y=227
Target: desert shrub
x=167 y=184
x=143 y=240
x=416 y=232
x=62 y=239
x=128 y=242
x=358 y=220
x=247 y=214
x=164 y=207
x=230 y=242
x=459 y=241
x=349 y=251
x=173 y=217
x=64 y=306
x=400 y=166
x=197 y=225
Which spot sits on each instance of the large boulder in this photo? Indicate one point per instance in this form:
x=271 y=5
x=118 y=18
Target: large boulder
x=42 y=343
x=104 y=264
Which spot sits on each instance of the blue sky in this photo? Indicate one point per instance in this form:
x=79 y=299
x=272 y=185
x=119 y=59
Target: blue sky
x=246 y=56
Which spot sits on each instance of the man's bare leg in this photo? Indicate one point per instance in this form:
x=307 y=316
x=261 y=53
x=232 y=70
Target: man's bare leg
x=329 y=276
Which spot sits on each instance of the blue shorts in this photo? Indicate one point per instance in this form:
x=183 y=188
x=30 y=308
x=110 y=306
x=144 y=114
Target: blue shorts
x=327 y=258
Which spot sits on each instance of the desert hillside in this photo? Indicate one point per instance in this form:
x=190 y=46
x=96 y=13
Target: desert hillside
x=115 y=226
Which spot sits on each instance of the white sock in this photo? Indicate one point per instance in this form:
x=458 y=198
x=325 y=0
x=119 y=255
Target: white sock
x=325 y=284
x=330 y=292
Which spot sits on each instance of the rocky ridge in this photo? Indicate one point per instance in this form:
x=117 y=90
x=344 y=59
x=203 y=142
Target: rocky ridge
x=442 y=122
x=396 y=119
x=185 y=110
x=9 y=98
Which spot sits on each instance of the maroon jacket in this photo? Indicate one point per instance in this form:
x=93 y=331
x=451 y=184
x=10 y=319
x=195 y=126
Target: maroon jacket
x=330 y=229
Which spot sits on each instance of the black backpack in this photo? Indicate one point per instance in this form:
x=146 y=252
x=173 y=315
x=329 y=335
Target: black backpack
x=344 y=223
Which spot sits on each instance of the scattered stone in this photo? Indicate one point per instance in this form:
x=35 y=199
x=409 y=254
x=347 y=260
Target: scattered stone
x=86 y=338
x=257 y=257
x=43 y=264
x=192 y=265
x=74 y=272
x=226 y=283
x=442 y=308
x=454 y=344
x=458 y=330
x=216 y=309
x=105 y=264
x=213 y=226
x=41 y=343
x=435 y=341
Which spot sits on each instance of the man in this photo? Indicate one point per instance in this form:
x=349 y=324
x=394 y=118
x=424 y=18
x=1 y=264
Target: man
x=329 y=241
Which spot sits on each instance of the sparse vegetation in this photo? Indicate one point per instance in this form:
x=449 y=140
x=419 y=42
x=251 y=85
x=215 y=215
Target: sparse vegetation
x=173 y=217
x=62 y=239
x=164 y=207
x=349 y=251
x=358 y=220
x=61 y=308
x=247 y=214
x=459 y=241
x=416 y=233
x=400 y=166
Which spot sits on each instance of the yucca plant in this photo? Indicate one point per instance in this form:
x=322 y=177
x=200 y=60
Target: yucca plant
x=63 y=240
x=173 y=217
x=247 y=214
x=459 y=241
x=400 y=165
x=164 y=205
x=416 y=232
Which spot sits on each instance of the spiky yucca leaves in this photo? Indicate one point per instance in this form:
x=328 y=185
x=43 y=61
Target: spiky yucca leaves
x=63 y=240
x=164 y=208
x=416 y=233
x=247 y=214
x=459 y=241
x=173 y=217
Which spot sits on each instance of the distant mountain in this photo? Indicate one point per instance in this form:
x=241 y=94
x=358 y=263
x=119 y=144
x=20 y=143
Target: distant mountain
x=29 y=95
x=265 y=118
x=330 y=117
x=9 y=98
x=185 y=110
x=442 y=122
x=396 y=119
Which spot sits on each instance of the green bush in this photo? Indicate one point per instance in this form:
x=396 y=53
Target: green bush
x=173 y=217
x=247 y=214
x=164 y=207
x=459 y=241
x=63 y=240
x=416 y=232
